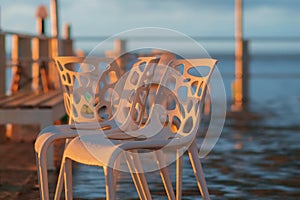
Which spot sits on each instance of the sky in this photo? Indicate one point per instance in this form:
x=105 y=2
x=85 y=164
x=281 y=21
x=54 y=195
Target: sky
x=262 y=18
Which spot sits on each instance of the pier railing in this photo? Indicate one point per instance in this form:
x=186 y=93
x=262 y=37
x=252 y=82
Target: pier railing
x=31 y=60
x=34 y=75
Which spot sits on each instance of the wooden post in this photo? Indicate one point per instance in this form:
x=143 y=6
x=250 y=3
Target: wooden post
x=120 y=46
x=2 y=80
x=52 y=72
x=41 y=14
x=245 y=76
x=120 y=49
x=240 y=84
x=40 y=50
x=54 y=45
x=54 y=18
x=67 y=42
x=67 y=32
x=21 y=59
x=40 y=54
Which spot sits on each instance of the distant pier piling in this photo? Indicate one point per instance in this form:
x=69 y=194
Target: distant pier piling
x=66 y=43
x=240 y=84
x=41 y=14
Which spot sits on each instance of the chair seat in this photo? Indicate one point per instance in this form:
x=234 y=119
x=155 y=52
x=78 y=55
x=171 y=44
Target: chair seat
x=79 y=152
x=95 y=148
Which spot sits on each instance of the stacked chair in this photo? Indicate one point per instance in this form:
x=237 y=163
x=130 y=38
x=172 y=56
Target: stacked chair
x=114 y=115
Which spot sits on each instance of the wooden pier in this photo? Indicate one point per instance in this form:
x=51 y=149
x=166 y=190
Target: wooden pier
x=34 y=97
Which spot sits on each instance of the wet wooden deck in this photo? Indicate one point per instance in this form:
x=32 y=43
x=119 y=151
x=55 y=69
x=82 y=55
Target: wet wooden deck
x=18 y=176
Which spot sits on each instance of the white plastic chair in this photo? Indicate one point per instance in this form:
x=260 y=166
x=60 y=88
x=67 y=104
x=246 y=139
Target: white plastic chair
x=199 y=80
x=52 y=133
x=145 y=75
x=197 y=73
x=79 y=98
x=177 y=128
x=79 y=95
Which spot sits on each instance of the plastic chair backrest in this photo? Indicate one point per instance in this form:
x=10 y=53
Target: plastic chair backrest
x=133 y=89
x=96 y=91
x=138 y=82
x=182 y=95
x=80 y=78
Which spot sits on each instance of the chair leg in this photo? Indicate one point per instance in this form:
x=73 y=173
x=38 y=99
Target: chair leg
x=60 y=181
x=198 y=171
x=178 y=176
x=68 y=178
x=139 y=178
x=139 y=188
x=38 y=174
x=164 y=173
x=116 y=174
x=42 y=175
x=61 y=178
x=109 y=179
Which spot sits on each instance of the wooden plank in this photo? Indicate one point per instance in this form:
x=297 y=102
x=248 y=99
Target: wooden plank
x=52 y=102
x=41 y=99
x=18 y=102
x=2 y=133
x=2 y=65
x=25 y=116
x=5 y=99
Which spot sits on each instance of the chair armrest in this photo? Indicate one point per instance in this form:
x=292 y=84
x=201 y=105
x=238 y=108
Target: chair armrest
x=51 y=133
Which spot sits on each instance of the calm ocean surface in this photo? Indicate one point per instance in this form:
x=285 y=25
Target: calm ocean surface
x=255 y=158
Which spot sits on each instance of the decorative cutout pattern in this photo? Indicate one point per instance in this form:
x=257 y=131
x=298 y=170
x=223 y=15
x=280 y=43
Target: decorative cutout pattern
x=182 y=96
x=80 y=78
x=135 y=92
x=96 y=95
x=90 y=89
